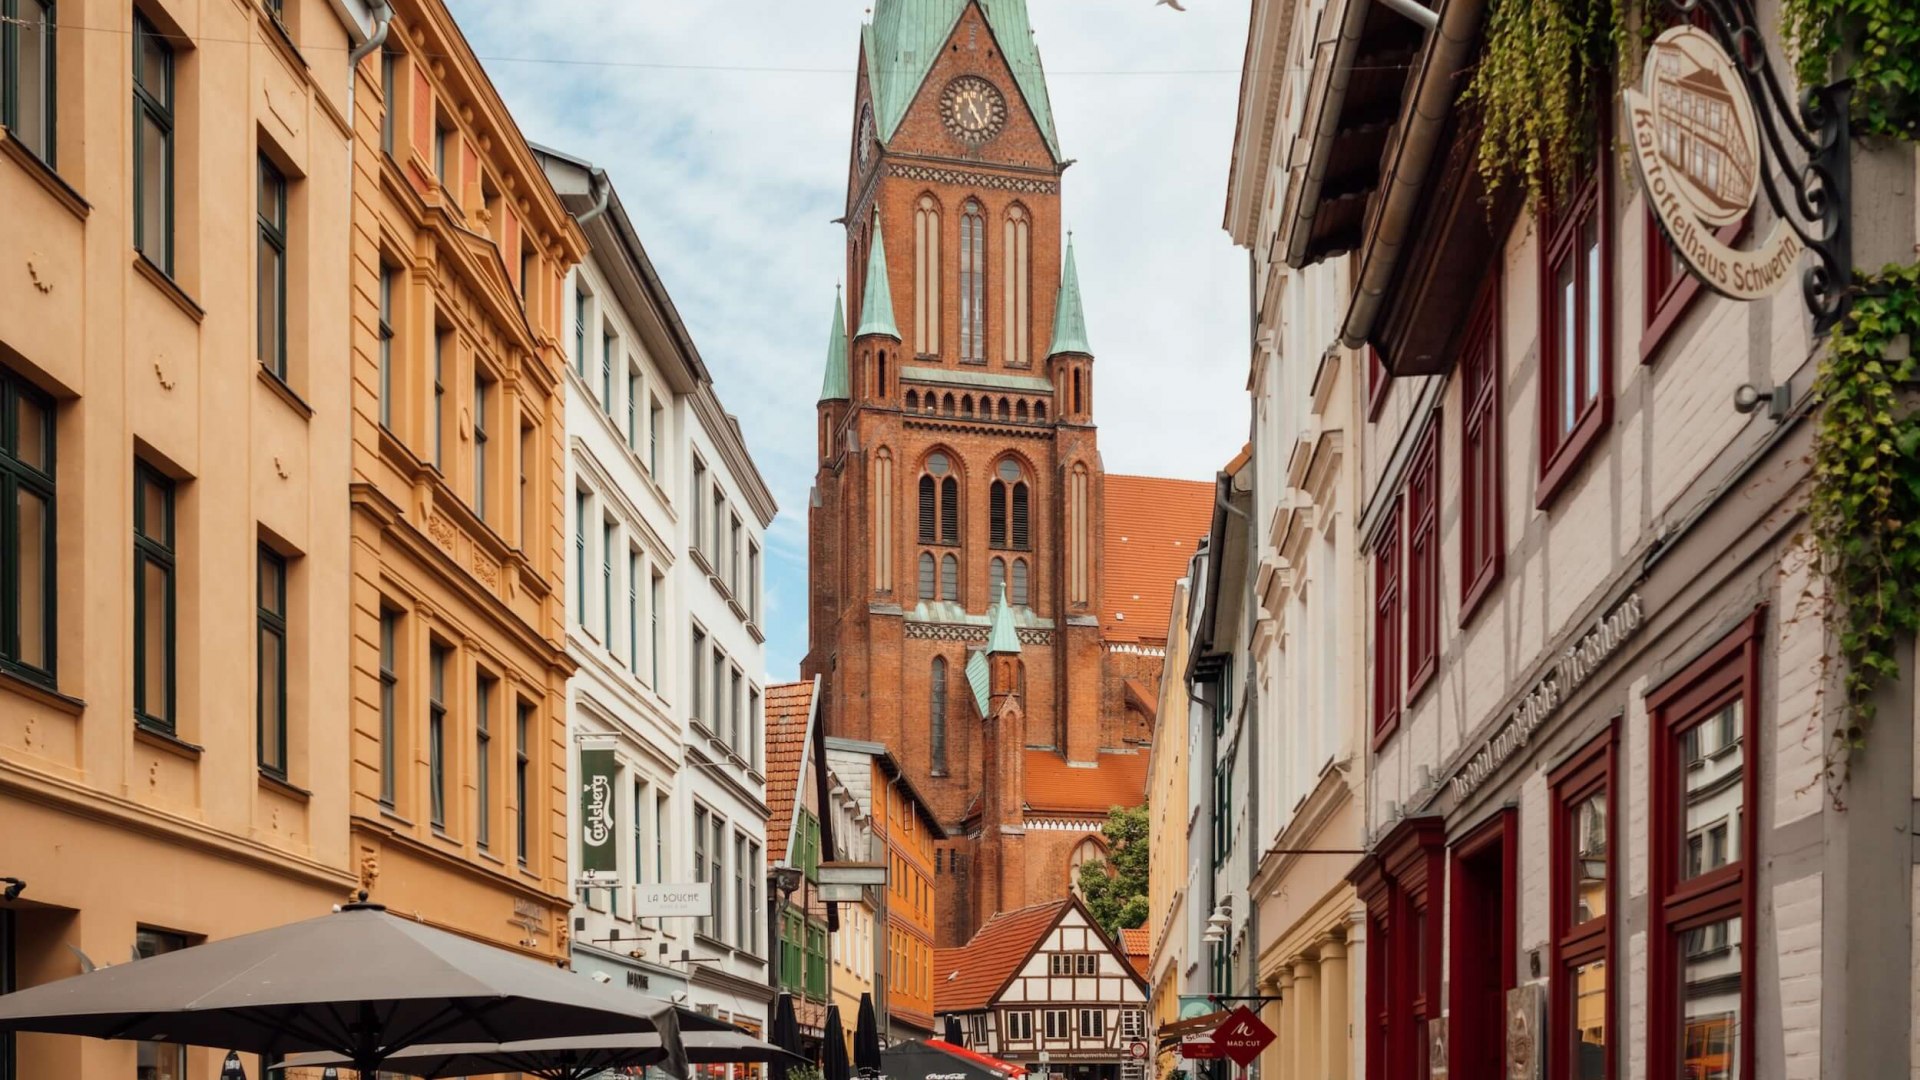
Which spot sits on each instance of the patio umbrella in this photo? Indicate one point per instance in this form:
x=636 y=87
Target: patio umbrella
x=573 y=1058
x=786 y=1034
x=915 y=1060
x=866 y=1038
x=833 y=1048
x=360 y=983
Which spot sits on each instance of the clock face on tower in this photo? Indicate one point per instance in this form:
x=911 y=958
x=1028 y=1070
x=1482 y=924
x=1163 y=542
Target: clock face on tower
x=974 y=109
x=866 y=137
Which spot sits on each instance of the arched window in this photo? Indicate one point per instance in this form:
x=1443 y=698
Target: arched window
x=1079 y=538
x=926 y=575
x=1019 y=583
x=949 y=578
x=913 y=401
x=1007 y=521
x=1020 y=411
x=926 y=277
x=946 y=405
x=939 y=502
x=880 y=375
x=937 y=716
x=1076 y=392
x=1040 y=412
x=996 y=580
x=1014 y=282
x=966 y=405
x=1086 y=851
x=973 y=284
x=1006 y=410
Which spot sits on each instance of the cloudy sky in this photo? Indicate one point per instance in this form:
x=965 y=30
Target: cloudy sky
x=725 y=124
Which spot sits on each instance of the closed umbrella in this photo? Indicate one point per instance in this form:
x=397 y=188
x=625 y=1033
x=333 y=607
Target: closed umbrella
x=786 y=1034
x=833 y=1052
x=953 y=1031
x=360 y=983
x=866 y=1038
x=572 y=1058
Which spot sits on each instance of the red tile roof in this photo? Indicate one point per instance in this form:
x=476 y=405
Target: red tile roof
x=787 y=705
x=1138 y=945
x=970 y=977
x=1115 y=779
x=1153 y=527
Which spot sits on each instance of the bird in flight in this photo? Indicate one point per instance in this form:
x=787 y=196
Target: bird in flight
x=1174 y=4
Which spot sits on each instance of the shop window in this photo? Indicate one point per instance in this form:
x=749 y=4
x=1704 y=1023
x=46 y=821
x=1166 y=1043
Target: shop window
x=1482 y=944
x=1581 y=897
x=1423 y=562
x=1703 y=793
x=1482 y=533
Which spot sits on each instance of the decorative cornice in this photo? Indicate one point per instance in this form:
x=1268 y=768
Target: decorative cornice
x=928 y=174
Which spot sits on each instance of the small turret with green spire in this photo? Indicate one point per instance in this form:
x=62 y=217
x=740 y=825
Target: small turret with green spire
x=876 y=307
x=1001 y=636
x=1069 y=318
x=835 y=387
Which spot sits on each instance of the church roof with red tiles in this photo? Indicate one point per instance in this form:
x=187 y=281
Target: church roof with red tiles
x=1114 y=779
x=970 y=977
x=1153 y=527
x=787 y=706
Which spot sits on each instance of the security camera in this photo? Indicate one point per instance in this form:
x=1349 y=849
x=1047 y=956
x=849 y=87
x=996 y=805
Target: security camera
x=602 y=977
x=15 y=887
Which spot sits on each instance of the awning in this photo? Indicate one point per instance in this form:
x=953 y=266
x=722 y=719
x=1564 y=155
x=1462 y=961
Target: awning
x=1181 y=1030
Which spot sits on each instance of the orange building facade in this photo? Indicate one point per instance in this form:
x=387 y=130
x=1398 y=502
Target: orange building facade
x=173 y=483
x=460 y=249
x=958 y=463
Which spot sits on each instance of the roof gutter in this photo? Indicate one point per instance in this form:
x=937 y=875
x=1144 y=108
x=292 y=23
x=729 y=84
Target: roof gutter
x=1450 y=45
x=1352 y=21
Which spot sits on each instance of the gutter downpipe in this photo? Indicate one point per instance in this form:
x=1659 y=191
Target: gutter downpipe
x=382 y=21
x=1251 y=717
x=1451 y=44
x=599 y=182
x=1353 y=20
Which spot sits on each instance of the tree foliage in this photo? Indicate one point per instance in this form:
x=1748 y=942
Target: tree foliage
x=1115 y=888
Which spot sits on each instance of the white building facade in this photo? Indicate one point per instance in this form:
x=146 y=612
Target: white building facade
x=662 y=625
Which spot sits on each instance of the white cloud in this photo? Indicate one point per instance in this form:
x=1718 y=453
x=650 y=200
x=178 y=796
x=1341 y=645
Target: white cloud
x=733 y=177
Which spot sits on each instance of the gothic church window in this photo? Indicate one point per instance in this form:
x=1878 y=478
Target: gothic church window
x=1020 y=583
x=1007 y=519
x=973 y=284
x=926 y=575
x=996 y=579
x=1014 y=281
x=949 y=578
x=937 y=717
x=926 y=277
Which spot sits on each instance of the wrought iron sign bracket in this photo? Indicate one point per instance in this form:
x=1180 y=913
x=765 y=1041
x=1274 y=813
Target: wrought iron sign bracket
x=1804 y=146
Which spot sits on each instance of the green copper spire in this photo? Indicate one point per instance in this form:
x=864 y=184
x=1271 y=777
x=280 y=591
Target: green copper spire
x=1001 y=637
x=907 y=36
x=1069 y=318
x=834 y=388
x=876 y=308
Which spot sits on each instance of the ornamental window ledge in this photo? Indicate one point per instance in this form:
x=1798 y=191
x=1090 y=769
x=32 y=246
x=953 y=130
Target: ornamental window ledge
x=1301 y=456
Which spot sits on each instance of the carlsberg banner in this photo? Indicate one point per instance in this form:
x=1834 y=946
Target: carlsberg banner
x=597 y=853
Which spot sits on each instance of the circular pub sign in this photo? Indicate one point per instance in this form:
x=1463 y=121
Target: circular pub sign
x=1696 y=143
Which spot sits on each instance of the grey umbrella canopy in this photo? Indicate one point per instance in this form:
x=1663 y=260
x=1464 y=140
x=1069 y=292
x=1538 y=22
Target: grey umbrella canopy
x=562 y=1059
x=833 y=1048
x=866 y=1037
x=360 y=983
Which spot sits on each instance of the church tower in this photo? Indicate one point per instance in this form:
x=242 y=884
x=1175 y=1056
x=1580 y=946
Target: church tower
x=959 y=492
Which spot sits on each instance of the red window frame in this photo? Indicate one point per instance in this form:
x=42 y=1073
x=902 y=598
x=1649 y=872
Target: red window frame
x=1386 y=627
x=1563 y=228
x=1423 y=561
x=1729 y=672
x=1476 y=1032
x=1574 y=944
x=1378 y=383
x=1404 y=894
x=1482 y=503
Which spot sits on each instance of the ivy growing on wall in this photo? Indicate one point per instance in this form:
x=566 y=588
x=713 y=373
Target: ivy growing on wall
x=1876 y=44
x=1546 y=67
x=1865 y=507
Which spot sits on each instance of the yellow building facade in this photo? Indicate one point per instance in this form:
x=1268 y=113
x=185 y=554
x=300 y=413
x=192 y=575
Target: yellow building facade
x=1167 y=833
x=173 y=475
x=459 y=251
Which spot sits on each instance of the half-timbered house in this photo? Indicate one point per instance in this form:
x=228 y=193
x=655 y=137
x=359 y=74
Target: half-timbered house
x=1045 y=986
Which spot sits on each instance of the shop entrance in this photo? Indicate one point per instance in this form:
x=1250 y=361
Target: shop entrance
x=1482 y=947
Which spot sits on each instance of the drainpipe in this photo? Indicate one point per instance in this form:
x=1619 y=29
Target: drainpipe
x=1450 y=46
x=382 y=20
x=598 y=183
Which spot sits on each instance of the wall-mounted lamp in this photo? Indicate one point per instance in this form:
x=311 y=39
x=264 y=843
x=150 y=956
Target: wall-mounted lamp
x=1748 y=397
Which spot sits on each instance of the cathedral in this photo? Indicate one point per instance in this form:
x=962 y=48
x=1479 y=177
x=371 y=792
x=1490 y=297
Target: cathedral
x=985 y=601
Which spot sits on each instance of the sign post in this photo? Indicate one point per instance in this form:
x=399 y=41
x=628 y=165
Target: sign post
x=1242 y=1036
